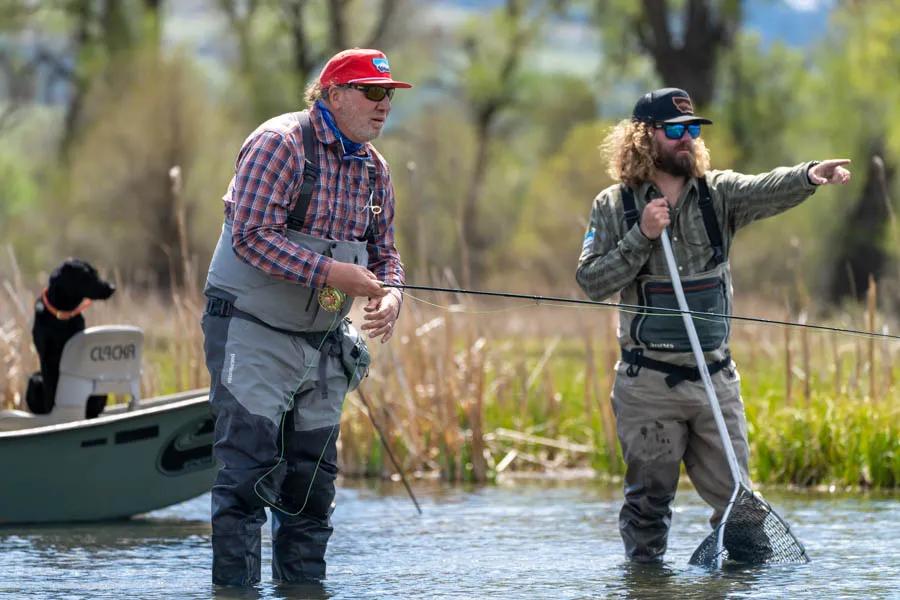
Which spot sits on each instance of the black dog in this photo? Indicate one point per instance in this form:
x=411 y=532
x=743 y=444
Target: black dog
x=57 y=317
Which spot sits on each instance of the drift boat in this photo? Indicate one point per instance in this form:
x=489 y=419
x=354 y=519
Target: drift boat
x=131 y=459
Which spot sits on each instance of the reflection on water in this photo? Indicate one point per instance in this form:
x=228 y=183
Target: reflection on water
x=523 y=540
x=307 y=591
x=640 y=581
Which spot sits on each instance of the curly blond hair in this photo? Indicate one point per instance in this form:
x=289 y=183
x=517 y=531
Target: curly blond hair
x=313 y=92
x=631 y=155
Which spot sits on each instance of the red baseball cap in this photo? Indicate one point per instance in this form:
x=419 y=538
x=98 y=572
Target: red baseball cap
x=361 y=66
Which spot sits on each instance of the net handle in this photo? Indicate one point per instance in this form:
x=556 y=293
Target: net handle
x=701 y=363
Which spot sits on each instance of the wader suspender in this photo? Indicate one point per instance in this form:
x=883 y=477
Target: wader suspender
x=311 y=174
x=635 y=358
x=710 y=221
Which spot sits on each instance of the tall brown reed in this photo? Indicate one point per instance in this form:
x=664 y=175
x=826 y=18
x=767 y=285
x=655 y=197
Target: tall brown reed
x=465 y=389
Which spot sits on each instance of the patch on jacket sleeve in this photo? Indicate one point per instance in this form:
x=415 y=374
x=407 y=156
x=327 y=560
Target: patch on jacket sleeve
x=588 y=239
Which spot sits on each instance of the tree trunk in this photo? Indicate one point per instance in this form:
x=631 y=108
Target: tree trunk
x=471 y=242
x=690 y=62
x=860 y=243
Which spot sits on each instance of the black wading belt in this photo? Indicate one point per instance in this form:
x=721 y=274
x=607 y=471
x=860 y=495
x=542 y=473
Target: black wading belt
x=675 y=374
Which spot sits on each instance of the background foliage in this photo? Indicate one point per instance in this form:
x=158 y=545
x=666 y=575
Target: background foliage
x=494 y=151
x=120 y=121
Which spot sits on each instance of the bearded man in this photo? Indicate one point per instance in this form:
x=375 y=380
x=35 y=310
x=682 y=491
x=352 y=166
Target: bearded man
x=662 y=413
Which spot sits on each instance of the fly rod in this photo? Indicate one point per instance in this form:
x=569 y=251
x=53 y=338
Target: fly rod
x=637 y=307
x=384 y=443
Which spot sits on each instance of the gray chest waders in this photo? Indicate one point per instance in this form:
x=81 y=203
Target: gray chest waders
x=236 y=289
x=661 y=331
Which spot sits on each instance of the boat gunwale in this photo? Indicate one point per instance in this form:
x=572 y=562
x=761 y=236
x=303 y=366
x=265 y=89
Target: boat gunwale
x=153 y=405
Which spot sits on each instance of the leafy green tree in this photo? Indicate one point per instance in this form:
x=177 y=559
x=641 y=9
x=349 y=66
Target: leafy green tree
x=860 y=93
x=439 y=143
x=758 y=101
x=428 y=153
x=95 y=33
x=491 y=79
x=836 y=101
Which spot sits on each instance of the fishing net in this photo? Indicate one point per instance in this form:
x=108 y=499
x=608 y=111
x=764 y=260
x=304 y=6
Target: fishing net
x=751 y=533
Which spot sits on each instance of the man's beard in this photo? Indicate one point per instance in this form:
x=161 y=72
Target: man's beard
x=676 y=164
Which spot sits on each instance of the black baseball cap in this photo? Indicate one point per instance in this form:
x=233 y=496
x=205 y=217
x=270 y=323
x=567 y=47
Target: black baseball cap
x=666 y=105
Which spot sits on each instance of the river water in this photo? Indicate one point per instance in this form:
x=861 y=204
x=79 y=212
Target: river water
x=532 y=539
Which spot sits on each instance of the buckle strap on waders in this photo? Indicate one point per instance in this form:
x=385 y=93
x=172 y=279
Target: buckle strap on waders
x=675 y=374
x=328 y=343
x=310 y=176
x=711 y=223
x=632 y=214
x=219 y=307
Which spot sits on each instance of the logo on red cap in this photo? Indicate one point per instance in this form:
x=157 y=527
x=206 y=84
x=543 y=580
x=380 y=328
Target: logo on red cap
x=382 y=65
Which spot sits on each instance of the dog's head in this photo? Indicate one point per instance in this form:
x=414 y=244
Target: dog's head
x=75 y=280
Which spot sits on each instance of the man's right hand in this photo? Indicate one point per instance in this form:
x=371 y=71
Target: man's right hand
x=655 y=218
x=354 y=280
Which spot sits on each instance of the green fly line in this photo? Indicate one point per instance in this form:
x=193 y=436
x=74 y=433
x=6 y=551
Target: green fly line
x=283 y=418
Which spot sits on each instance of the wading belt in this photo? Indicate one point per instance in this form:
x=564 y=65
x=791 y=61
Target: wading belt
x=311 y=172
x=710 y=221
x=675 y=374
x=327 y=342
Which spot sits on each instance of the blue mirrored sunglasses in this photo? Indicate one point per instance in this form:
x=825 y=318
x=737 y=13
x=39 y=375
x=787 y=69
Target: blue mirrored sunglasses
x=674 y=131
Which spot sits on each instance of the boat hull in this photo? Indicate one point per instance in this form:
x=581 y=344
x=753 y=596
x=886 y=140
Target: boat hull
x=118 y=465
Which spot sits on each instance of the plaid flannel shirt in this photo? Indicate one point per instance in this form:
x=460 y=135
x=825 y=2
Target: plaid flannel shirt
x=612 y=256
x=265 y=187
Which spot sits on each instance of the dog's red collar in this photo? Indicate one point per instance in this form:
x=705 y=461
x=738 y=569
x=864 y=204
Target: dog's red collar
x=64 y=315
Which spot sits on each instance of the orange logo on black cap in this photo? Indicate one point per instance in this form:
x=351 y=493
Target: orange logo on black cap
x=683 y=104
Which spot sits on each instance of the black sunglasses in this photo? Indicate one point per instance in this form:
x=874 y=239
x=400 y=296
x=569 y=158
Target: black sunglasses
x=375 y=93
x=674 y=131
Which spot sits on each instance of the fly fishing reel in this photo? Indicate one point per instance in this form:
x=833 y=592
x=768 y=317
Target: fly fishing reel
x=331 y=299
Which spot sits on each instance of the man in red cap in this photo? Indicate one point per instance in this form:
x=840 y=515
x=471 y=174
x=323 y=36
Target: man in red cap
x=662 y=416
x=308 y=226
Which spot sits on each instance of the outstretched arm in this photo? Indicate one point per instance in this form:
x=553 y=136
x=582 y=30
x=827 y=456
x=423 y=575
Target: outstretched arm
x=749 y=198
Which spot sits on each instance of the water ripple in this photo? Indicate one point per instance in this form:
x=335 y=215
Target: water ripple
x=524 y=540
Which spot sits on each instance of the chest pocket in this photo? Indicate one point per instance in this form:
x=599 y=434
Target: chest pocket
x=664 y=331
x=693 y=231
x=357 y=189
